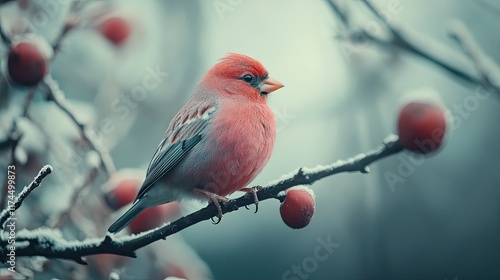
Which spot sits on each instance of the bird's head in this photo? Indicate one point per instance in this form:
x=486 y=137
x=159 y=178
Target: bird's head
x=240 y=75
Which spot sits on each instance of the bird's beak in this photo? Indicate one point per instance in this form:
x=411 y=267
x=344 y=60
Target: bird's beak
x=269 y=85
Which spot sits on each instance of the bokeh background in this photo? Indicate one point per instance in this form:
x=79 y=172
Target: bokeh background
x=441 y=221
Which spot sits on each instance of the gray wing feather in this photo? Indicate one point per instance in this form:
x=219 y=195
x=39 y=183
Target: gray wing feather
x=166 y=160
x=168 y=154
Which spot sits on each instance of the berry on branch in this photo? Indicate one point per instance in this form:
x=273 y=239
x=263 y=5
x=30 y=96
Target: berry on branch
x=26 y=64
x=297 y=209
x=421 y=127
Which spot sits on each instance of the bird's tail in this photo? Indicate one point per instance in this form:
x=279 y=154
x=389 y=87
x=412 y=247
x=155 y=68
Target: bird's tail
x=134 y=211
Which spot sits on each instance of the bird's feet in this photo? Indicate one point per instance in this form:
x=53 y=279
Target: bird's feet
x=254 y=191
x=216 y=200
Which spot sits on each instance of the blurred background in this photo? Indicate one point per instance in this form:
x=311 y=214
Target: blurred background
x=440 y=220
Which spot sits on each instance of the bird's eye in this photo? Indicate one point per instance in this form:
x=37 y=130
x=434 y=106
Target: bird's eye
x=248 y=78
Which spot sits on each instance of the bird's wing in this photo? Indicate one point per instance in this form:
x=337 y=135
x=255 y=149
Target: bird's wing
x=185 y=131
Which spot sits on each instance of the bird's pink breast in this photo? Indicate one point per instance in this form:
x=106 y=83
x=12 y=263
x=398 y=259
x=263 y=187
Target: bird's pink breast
x=237 y=147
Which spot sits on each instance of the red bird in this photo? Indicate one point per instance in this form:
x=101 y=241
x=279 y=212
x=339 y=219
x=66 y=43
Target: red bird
x=217 y=143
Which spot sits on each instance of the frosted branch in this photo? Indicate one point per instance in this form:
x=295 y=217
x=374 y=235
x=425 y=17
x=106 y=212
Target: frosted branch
x=4 y=215
x=49 y=243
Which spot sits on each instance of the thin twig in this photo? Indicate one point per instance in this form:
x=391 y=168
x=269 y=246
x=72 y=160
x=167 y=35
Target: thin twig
x=4 y=215
x=49 y=243
x=383 y=19
x=483 y=63
x=28 y=100
x=344 y=17
x=55 y=94
x=72 y=21
x=12 y=141
x=70 y=24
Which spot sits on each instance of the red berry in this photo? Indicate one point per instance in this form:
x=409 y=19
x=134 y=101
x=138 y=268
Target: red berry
x=26 y=64
x=298 y=208
x=421 y=127
x=123 y=193
x=115 y=29
x=149 y=219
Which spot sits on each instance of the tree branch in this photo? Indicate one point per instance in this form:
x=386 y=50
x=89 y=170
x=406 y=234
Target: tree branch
x=56 y=95
x=49 y=243
x=73 y=20
x=488 y=71
x=418 y=45
x=343 y=16
x=4 y=215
